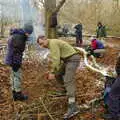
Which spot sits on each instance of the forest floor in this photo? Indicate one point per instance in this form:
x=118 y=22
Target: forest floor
x=38 y=89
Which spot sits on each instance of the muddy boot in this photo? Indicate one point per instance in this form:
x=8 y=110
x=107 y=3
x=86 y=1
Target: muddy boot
x=19 y=96
x=72 y=111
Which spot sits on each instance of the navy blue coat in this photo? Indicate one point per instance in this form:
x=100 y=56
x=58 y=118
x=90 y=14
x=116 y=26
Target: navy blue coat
x=16 y=47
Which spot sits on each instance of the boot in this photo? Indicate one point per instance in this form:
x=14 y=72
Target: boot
x=19 y=96
x=72 y=111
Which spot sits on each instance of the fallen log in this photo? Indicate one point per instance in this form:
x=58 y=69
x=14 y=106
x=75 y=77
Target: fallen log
x=98 y=68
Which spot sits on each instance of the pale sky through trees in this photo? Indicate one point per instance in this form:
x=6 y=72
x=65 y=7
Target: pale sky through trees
x=87 y=11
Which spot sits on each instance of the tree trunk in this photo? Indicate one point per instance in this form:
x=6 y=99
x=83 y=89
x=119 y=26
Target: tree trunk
x=49 y=6
x=2 y=23
x=2 y=29
x=51 y=9
x=116 y=5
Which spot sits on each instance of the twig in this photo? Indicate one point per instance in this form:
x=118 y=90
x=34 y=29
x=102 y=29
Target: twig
x=88 y=94
x=38 y=114
x=42 y=1
x=61 y=3
x=46 y=109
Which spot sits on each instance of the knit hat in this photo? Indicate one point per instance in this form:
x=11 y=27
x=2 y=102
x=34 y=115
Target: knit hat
x=28 y=28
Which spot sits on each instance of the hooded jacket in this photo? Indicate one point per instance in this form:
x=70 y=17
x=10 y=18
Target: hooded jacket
x=78 y=31
x=16 y=47
x=96 y=44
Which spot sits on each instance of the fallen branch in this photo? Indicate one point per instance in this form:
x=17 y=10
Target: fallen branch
x=98 y=68
x=46 y=109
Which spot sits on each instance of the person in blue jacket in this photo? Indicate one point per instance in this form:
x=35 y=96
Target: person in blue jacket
x=16 y=47
x=78 y=33
x=113 y=97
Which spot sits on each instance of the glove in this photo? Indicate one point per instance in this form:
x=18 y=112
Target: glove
x=15 y=67
x=89 y=51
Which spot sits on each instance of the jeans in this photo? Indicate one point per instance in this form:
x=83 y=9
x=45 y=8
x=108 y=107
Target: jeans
x=15 y=80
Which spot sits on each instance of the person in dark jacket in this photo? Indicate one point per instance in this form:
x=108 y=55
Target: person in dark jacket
x=101 y=31
x=16 y=47
x=78 y=33
x=113 y=101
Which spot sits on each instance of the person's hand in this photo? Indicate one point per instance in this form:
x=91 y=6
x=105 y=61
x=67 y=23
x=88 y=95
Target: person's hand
x=51 y=76
x=46 y=75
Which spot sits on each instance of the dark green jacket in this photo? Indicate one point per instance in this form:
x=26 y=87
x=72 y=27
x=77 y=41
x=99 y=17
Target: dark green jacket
x=101 y=32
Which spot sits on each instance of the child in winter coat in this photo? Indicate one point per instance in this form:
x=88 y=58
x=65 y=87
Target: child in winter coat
x=16 y=47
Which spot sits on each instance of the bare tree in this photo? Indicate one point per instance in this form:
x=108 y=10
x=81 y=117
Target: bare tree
x=116 y=3
x=51 y=11
x=2 y=22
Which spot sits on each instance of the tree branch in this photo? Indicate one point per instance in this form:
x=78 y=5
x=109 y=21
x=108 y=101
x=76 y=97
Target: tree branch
x=61 y=3
x=42 y=1
x=38 y=3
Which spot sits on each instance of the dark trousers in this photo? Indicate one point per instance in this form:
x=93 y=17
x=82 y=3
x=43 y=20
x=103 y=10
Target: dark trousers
x=114 y=99
x=79 y=40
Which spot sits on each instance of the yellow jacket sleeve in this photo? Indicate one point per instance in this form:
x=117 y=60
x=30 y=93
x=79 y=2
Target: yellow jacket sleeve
x=55 y=56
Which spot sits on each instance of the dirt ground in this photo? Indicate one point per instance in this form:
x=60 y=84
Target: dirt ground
x=38 y=88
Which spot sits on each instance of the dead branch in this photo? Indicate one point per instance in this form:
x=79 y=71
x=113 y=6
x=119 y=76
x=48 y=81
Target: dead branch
x=46 y=109
x=57 y=9
x=42 y=1
x=38 y=2
x=97 y=68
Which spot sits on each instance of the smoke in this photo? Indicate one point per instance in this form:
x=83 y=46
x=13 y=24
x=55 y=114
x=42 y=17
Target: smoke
x=20 y=12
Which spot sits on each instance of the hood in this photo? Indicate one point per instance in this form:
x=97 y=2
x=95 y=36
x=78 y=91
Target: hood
x=17 y=31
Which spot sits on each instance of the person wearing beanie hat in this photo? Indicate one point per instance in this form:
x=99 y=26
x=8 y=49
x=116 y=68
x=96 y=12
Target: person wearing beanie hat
x=28 y=28
x=16 y=47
